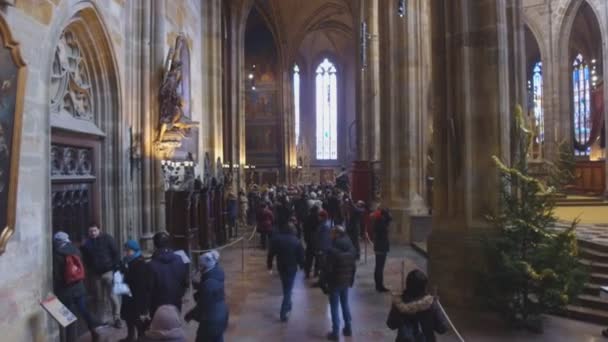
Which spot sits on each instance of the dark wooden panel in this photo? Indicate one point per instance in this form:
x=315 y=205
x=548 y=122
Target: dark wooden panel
x=590 y=177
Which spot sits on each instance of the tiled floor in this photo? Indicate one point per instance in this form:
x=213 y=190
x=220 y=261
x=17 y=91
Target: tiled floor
x=255 y=296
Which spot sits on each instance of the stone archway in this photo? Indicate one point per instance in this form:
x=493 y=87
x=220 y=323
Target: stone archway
x=85 y=125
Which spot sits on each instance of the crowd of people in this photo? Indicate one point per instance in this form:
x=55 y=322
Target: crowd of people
x=316 y=229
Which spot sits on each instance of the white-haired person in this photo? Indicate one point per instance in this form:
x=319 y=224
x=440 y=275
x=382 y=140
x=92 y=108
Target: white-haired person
x=211 y=310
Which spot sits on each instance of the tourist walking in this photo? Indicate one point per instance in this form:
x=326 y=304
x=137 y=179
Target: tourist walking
x=311 y=225
x=134 y=307
x=355 y=223
x=68 y=284
x=102 y=257
x=265 y=220
x=211 y=310
x=288 y=250
x=168 y=276
x=337 y=277
x=416 y=314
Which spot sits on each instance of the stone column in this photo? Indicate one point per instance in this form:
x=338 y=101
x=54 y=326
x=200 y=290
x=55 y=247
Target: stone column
x=472 y=108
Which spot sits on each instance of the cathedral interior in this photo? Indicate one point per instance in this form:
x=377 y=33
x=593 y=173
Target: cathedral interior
x=140 y=117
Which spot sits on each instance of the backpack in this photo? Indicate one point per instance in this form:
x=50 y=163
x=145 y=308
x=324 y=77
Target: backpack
x=74 y=269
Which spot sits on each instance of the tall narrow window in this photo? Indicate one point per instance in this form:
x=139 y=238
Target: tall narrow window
x=296 y=101
x=537 y=97
x=327 y=111
x=582 y=105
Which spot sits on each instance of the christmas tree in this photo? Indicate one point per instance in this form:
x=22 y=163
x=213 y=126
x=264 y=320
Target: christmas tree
x=532 y=268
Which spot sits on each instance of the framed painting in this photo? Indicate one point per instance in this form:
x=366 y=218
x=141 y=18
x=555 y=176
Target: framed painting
x=12 y=88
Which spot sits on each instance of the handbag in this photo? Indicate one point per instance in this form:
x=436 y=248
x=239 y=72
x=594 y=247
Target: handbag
x=119 y=287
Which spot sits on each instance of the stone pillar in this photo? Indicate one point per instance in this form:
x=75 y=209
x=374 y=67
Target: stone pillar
x=472 y=113
x=405 y=78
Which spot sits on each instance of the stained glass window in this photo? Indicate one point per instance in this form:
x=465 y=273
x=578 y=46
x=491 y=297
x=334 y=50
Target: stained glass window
x=581 y=87
x=537 y=98
x=296 y=101
x=327 y=111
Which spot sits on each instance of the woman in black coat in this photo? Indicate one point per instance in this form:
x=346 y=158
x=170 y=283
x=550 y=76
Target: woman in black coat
x=416 y=314
x=133 y=307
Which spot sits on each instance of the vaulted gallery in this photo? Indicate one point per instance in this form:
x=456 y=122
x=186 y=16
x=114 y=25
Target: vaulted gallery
x=274 y=170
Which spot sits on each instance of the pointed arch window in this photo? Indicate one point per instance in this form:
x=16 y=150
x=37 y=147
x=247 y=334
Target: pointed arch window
x=296 y=101
x=327 y=111
x=537 y=98
x=581 y=86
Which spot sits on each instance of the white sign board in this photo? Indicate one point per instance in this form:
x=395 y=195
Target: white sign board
x=59 y=311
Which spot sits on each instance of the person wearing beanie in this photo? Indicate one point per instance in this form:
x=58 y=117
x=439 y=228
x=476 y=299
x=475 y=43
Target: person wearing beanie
x=211 y=310
x=167 y=276
x=134 y=307
x=71 y=293
x=166 y=326
x=337 y=277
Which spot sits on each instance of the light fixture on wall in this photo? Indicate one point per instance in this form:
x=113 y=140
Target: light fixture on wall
x=401 y=8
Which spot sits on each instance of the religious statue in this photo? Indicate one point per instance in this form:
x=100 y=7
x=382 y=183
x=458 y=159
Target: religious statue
x=172 y=118
x=219 y=170
x=207 y=170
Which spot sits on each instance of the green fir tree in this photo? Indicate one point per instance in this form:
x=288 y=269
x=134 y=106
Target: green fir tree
x=532 y=268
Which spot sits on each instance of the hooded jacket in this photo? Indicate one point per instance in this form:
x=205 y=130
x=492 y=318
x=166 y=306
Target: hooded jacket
x=168 y=280
x=165 y=326
x=64 y=291
x=423 y=315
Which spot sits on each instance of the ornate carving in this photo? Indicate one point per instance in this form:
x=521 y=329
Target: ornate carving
x=71 y=161
x=173 y=124
x=70 y=81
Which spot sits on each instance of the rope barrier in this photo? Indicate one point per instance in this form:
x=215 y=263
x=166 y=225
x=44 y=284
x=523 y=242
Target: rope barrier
x=450 y=322
x=200 y=251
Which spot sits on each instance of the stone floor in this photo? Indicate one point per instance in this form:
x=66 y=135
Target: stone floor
x=254 y=297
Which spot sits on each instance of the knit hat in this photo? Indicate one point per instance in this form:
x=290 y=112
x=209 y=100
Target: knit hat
x=207 y=261
x=61 y=237
x=132 y=245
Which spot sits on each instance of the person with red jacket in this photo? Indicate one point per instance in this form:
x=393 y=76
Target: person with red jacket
x=265 y=220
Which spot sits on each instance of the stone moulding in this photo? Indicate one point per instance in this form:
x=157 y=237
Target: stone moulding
x=8 y=209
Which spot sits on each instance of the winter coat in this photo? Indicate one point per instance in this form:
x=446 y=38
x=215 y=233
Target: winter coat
x=381 y=223
x=421 y=316
x=265 y=220
x=324 y=237
x=101 y=254
x=167 y=280
x=65 y=292
x=311 y=224
x=166 y=326
x=340 y=266
x=211 y=310
x=288 y=250
x=136 y=273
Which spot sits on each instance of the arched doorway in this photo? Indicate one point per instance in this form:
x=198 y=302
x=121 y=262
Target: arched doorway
x=84 y=124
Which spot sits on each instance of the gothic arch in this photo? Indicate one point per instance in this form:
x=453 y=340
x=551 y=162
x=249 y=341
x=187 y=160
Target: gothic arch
x=564 y=60
x=80 y=32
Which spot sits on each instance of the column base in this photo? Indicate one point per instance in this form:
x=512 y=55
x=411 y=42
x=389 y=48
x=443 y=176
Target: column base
x=454 y=264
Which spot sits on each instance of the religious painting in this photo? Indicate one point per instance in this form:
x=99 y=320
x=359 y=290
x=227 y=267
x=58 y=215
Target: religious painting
x=12 y=86
x=326 y=176
x=260 y=104
x=262 y=139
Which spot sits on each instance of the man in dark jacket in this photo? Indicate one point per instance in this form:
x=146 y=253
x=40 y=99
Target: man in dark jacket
x=355 y=223
x=134 y=307
x=72 y=295
x=338 y=276
x=101 y=256
x=211 y=310
x=380 y=221
x=168 y=276
x=310 y=234
x=290 y=254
